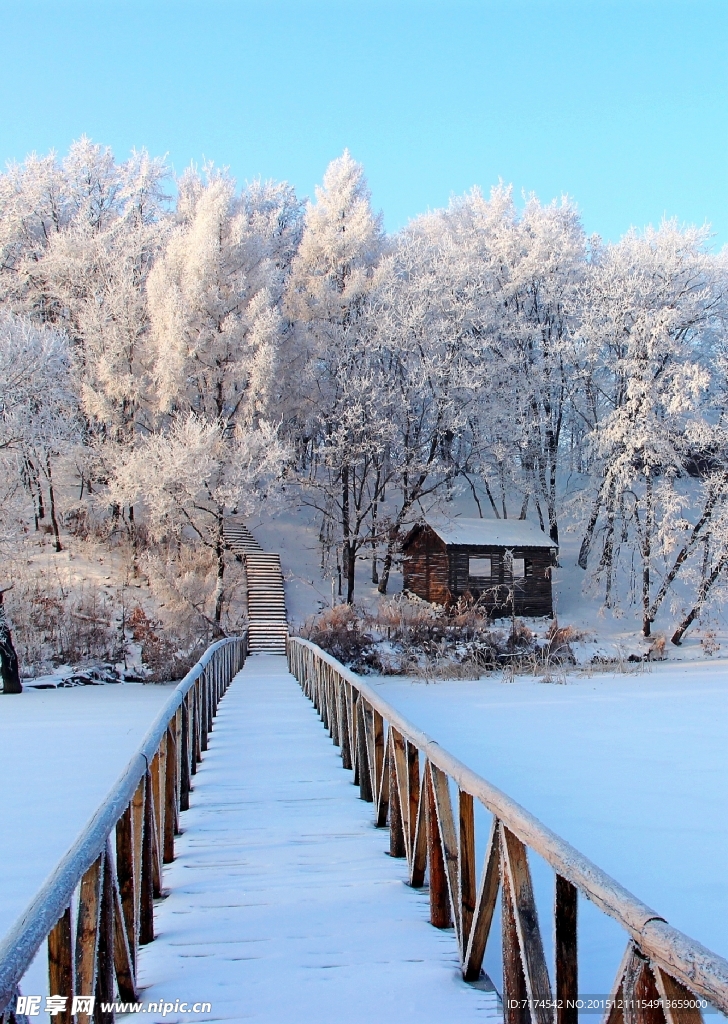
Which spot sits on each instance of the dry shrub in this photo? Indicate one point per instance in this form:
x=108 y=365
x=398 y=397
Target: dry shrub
x=520 y=638
x=339 y=631
x=161 y=654
x=559 y=640
x=407 y=636
x=709 y=642
x=182 y=581
x=56 y=624
x=657 y=648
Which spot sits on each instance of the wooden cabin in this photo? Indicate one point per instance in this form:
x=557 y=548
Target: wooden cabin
x=500 y=561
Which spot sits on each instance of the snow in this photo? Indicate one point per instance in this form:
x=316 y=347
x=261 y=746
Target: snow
x=283 y=905
x=63 y=750
x=631 y=769
x=491 y=532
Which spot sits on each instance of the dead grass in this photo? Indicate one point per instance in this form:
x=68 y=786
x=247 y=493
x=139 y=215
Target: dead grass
x=407 y=636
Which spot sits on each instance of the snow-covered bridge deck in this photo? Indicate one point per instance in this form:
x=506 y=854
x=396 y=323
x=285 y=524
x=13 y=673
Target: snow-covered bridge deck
x=283 y=905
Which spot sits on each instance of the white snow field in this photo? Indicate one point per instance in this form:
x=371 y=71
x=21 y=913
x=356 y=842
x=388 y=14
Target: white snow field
x=630 y=769
x=62 y=751
x=283 y=905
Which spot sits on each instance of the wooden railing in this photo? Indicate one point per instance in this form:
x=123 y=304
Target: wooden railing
x=103 y=890
x=408 y=778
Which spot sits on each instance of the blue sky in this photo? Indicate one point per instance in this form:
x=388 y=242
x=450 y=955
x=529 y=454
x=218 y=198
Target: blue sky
x=621 y=105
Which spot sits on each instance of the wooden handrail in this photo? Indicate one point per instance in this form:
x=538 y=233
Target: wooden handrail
x=142 y=809
x=384 y=748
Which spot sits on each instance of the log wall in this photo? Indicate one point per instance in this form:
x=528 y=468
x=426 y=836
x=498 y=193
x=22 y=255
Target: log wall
x=426 y=568
x=533 y=595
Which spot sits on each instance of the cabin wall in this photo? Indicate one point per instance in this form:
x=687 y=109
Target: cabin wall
x=533 y=595
x=425 y=568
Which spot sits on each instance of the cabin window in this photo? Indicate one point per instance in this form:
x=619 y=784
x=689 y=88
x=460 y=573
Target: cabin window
x=480 y=567
x=521 y=568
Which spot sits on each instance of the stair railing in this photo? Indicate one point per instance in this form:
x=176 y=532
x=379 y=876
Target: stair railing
x=97 y=907
x=664 y=977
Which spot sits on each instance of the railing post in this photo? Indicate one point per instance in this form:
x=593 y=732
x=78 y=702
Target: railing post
x=344 y=738
x=204 y=717
x=127 y=883
x=146 y=909
x=439 y=896
x=467 y=893
x=170 y=796
x=60 y=963
x=196 y=752
x=159 y=776
x=381 y=777
x=396 y=830
x=362 y=757
x=105 y=975
x=137 y=815
x=184 y=790
x=514 y=983
x=567 y=985
x=87 y=933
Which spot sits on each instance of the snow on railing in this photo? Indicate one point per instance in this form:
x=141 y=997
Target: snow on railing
x=103 y=890
x=662 y=971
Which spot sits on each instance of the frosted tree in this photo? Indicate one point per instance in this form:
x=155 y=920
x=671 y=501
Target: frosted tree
x=655 y=300
x=99 y=268
x=430 y=377
x=330 y=284
x=519 y=272
x=214 y=296
x=80 y=235
x=38 y=420
x=39 y=200
x=189 y=478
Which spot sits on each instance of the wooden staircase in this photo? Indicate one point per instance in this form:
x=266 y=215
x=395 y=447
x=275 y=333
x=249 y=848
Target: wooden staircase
x=267 y=622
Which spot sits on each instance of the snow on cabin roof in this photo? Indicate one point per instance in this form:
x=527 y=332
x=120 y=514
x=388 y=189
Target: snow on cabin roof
x=505 y=533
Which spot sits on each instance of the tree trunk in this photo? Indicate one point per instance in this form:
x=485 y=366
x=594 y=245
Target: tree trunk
x=607 y=559
x=491 y=499
x=391 y=544
x=220 y=555
x=347 y=554
x=36 y=491
x=646 y=554
x=375 y=574
x=350 y=568
x=9 y=672
x=52 y=502
x=552 y=438
x=586 y=543
x=702 y=595
x=502 y=481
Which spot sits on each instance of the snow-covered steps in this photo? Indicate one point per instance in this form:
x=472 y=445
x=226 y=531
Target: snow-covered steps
x=283 y=905
x=267 y=620
x=238 y=537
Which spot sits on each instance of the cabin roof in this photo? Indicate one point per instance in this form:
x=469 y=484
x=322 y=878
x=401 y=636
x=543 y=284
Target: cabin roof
x=496 y=533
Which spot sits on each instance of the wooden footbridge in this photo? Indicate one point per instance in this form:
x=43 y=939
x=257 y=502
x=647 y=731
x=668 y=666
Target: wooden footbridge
x=231 y=875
